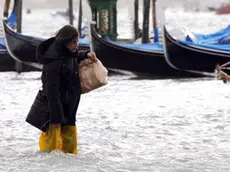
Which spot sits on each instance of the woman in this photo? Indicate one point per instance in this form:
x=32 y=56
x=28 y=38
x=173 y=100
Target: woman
x=61 y=85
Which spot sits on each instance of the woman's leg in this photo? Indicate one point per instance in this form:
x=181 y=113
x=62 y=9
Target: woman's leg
x=69 y=139
x=51 y=139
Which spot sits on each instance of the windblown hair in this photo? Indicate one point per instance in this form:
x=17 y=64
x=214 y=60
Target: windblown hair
x=66 y=34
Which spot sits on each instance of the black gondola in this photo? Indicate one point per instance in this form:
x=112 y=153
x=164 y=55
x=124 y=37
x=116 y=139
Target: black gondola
x=114 y=56
x=23 y=48
x=6 y=61
x=191 y=57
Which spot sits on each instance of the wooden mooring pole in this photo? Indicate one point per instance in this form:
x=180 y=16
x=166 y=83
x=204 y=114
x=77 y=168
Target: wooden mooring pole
x=18 y=65
x=145 y=33
x=71 y=12
x=80 y=18
x=154 y=20
x=6 y=8
x=136 y=20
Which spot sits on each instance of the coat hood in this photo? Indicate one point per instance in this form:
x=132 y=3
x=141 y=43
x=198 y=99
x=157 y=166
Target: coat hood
x=50 y=50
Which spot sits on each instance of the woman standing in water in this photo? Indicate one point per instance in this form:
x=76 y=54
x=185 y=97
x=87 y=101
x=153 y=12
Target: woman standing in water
x=61 y=85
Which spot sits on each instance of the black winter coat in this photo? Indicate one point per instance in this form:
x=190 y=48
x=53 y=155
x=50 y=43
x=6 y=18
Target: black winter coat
x=60 y=79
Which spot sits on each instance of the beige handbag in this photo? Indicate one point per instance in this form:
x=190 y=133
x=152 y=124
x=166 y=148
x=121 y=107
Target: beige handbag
x=92 y=75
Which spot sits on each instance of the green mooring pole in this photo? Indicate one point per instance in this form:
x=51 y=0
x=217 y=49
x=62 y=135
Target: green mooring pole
x=104 y=12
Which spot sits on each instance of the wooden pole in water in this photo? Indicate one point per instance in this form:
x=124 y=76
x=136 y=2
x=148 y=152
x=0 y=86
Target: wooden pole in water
x=80 y=18
x=18 y=65
x=145 y=33
x=71 y=12
x=136 y=19
x=6 y=8
x=19 y=16
x=154 y=18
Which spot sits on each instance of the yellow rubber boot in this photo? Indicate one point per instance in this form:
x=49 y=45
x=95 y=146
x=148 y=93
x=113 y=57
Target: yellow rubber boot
x=51 y=139
x=69 y=139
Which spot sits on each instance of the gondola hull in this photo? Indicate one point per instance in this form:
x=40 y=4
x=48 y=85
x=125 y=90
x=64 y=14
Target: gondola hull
x=194 y=58
x=24 y=47
x=7 y=63
x=114 y=56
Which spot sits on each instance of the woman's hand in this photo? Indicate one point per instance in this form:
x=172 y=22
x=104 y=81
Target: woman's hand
x=92 y=56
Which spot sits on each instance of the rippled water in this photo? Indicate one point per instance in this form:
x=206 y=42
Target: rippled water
x=132 y=124
x=128 y=125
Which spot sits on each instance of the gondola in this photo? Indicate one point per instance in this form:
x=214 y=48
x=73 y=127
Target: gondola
x=23 y=47
x=6 y=61
x=220 y=37
x=182 y=55
x=133 y=58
